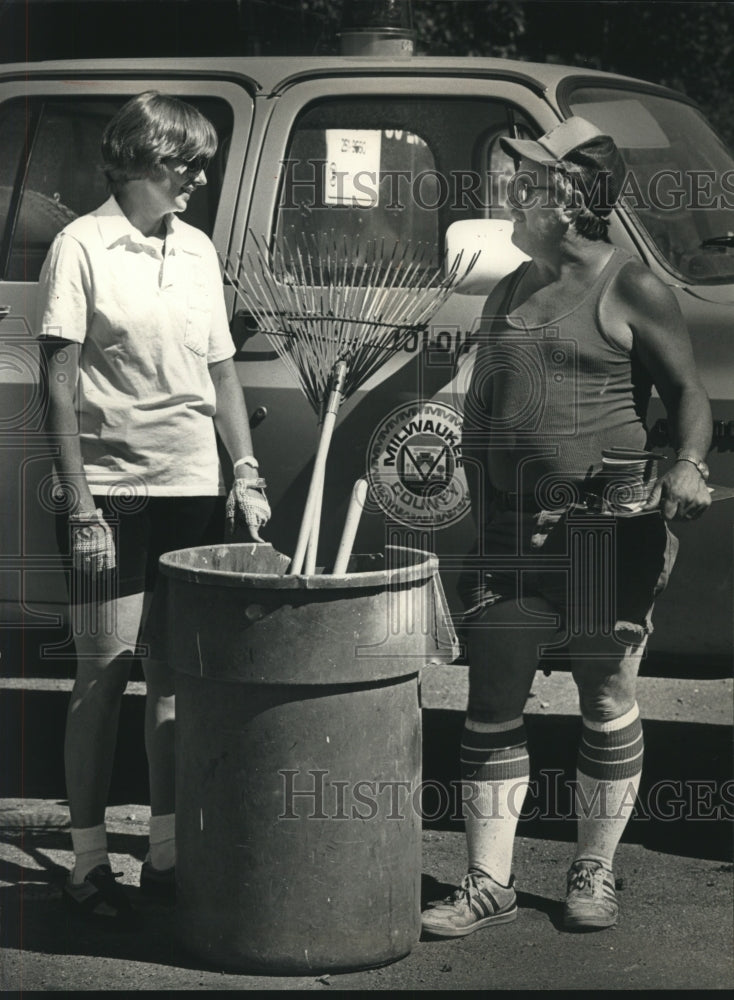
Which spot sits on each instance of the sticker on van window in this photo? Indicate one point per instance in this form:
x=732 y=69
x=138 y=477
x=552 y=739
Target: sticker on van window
x=353 y=167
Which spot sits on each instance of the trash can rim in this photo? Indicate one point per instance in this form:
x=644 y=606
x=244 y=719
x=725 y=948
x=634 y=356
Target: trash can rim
x=422 y=567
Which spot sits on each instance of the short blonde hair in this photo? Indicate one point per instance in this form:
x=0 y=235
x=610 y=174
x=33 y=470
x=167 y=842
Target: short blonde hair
x=149 y=129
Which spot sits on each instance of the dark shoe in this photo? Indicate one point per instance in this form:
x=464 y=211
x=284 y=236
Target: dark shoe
x=100 y=899
x=478 y=902
x=591 y=900
x=156 y=883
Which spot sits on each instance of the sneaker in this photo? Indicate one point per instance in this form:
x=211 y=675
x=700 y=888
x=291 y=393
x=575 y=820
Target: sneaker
x=158 y=883
x=478 y=902
x=591 y=902
x=99 y=898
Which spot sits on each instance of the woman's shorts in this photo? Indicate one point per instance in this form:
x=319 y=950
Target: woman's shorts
x=143 y=529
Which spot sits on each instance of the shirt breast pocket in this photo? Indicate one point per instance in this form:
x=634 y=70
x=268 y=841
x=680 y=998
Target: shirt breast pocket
x=198 y=322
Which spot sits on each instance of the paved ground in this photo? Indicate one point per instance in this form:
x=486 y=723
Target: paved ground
x=674 y=873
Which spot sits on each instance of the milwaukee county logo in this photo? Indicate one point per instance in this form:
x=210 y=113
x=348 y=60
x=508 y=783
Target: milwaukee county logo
x=415 y=467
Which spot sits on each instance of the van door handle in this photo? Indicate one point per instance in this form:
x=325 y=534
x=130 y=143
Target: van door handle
x=244 y=326
x=258 y=416
x=4 y=311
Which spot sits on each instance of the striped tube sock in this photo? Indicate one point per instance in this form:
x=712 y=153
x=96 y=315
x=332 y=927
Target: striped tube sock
x=494 y=769
x=608 y=777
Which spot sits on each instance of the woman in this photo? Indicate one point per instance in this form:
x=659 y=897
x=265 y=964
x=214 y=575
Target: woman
x=140 y=373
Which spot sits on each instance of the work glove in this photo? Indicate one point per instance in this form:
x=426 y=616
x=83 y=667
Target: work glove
x=545 y=522
x=247 y=507
x=92 y=544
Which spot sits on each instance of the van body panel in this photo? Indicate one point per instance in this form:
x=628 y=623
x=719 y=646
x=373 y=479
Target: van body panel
x=269 y=108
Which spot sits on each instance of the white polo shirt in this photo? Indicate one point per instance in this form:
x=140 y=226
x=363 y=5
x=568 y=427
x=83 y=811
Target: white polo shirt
x=151 y=317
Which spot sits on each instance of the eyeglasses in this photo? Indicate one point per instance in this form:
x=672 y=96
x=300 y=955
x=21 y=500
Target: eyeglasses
x=521 y=187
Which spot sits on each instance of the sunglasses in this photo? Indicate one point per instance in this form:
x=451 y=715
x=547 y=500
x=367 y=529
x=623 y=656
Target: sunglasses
x=192 y=168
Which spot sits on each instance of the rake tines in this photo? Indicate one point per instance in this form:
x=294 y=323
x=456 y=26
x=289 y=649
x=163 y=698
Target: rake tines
x=335 y=313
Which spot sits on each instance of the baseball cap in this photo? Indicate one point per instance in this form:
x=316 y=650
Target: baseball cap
x=578 y=142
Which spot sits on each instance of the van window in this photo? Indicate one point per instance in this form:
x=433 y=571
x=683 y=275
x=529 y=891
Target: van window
x=680 y=178
x=51 y=173
x=370 y=172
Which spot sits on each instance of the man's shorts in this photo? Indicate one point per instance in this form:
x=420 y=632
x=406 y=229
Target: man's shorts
x=585 y=565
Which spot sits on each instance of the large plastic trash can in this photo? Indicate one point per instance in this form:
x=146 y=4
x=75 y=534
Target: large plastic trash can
x=298 y=756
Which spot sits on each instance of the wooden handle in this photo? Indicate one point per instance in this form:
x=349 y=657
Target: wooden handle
x=351 y=523
x=313 y=539
x=313 y=501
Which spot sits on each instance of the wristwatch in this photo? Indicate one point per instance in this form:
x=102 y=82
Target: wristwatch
x=699 y=463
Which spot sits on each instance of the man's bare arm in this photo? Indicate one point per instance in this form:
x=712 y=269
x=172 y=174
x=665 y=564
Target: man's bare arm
x=664 y=348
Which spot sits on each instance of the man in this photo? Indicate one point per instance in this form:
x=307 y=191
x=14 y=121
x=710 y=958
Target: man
x=571 y=343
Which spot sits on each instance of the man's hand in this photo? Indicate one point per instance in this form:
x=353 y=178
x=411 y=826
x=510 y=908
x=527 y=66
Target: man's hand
x=247 y=506
x=92 y=544
x=681 y=494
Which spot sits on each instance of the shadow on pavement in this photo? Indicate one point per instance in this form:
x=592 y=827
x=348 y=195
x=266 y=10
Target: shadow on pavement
x=36 y=921
x=32 y=725
x=685 y=806
x=683 y=791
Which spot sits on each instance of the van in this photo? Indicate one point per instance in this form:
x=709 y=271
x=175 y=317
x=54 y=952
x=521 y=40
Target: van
x=415 y=145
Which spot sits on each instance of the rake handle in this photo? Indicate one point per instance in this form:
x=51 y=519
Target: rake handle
x=312 y=511
x=312 y=548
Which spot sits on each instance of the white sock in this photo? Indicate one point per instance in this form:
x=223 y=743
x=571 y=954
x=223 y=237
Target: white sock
x=162 y=852
x=608 y=776
x=495 y=770
x=90 y=850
